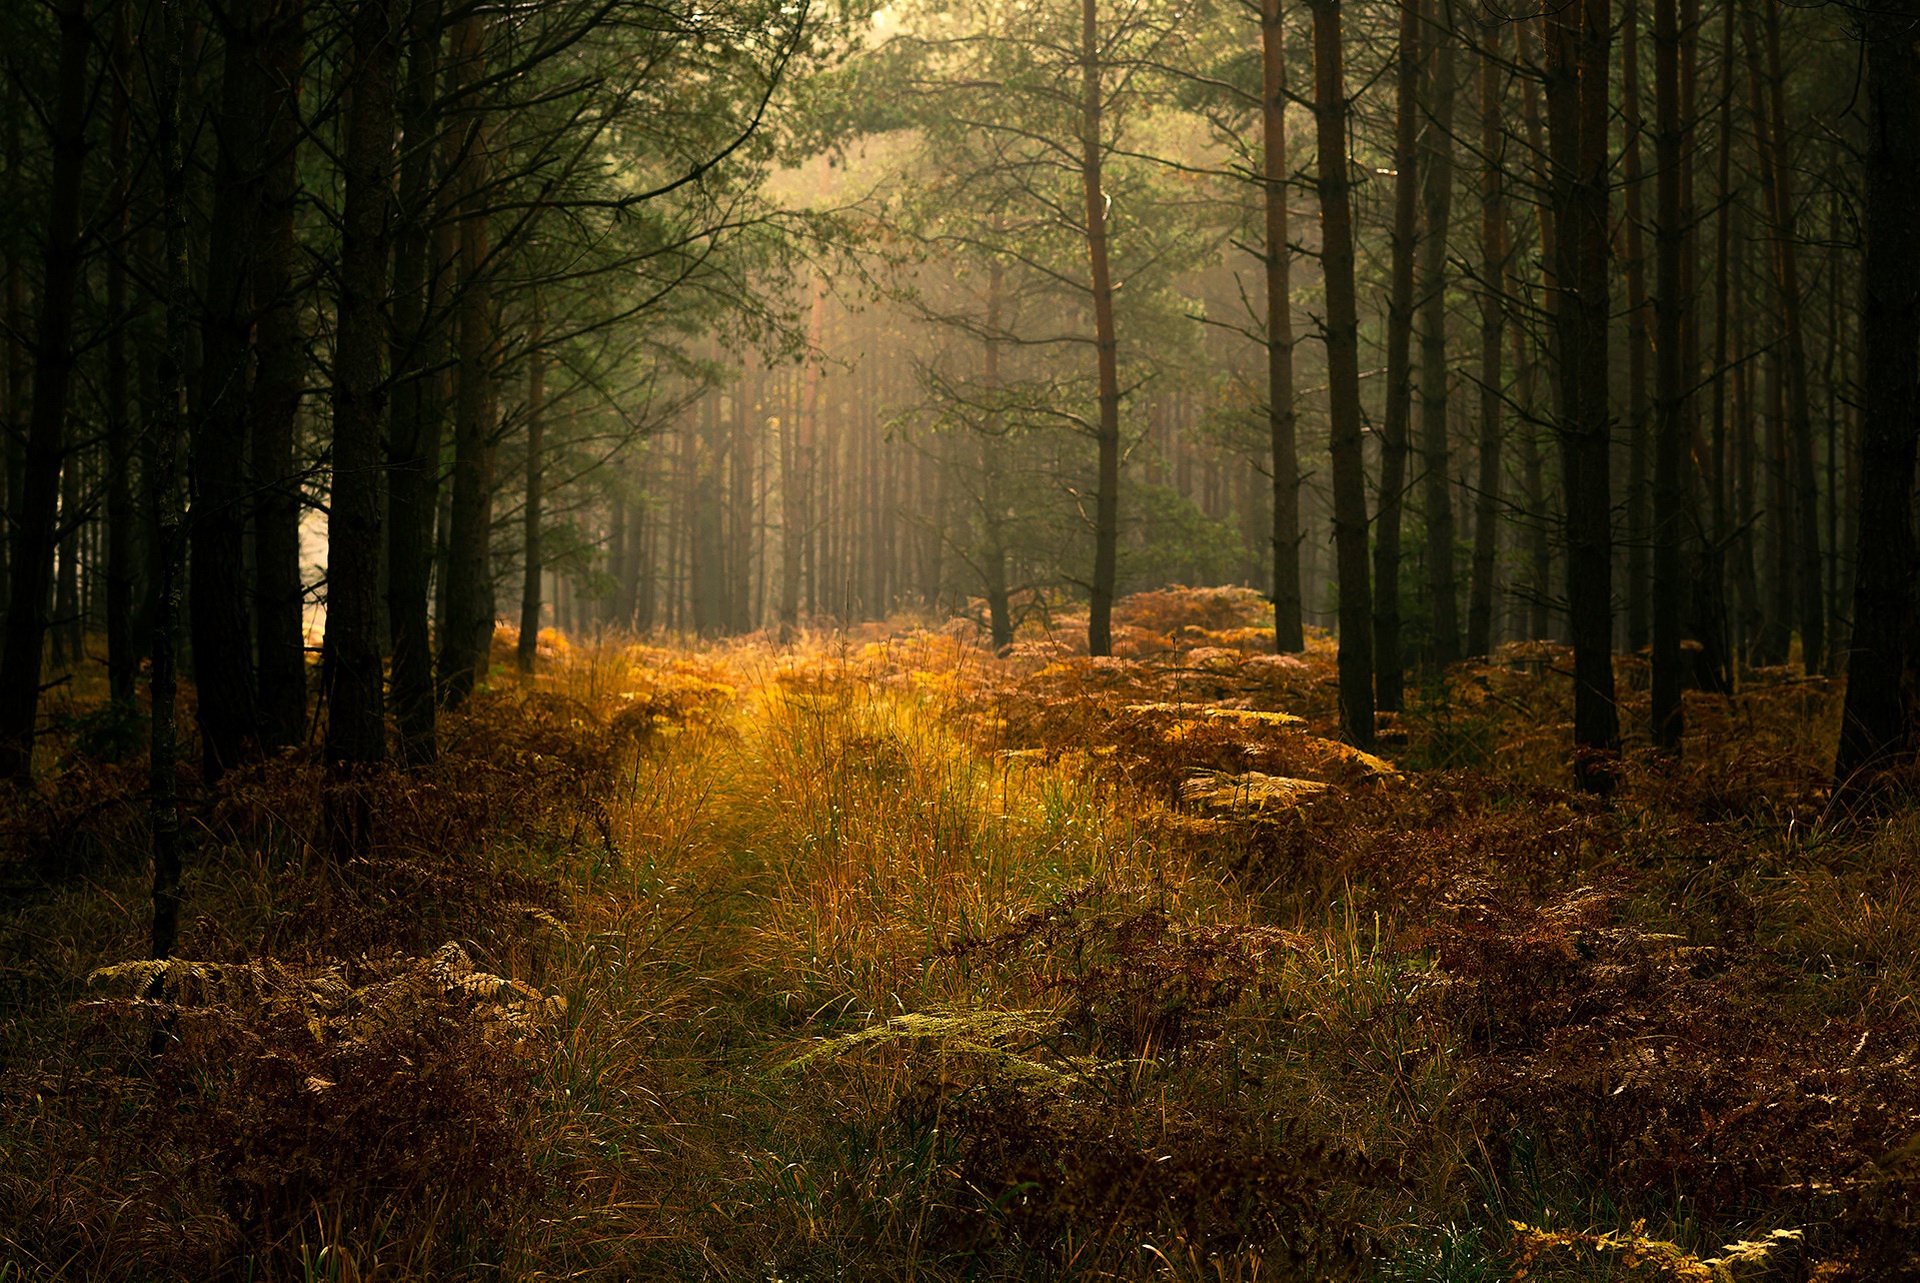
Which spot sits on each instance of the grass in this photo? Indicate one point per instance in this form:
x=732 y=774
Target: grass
x=884 y=959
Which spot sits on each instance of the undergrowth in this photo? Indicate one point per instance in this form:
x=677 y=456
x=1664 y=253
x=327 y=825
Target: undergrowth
x=880 y=957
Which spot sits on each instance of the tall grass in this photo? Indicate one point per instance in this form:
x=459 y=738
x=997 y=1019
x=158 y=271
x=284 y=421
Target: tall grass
x=890 y=960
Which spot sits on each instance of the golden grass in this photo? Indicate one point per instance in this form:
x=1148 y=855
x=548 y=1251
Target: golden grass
x=885 y=959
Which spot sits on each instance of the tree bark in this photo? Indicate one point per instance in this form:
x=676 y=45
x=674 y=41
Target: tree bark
x=36 y=528
x=466 y=643
x=217 y=525
x=122 y=663
x=1436 y=456
x=1343 y=377
x=1282 y=416
x=1493 y=273
x=356 y=723
x=413 y=449
x=1639 y=536
x=1106 y=516
x=1672 y=233
x=1396 y=421
x=279 y=385
x=167 y=491
x=1877 y=726
x=532 y=566
x=1804 y=485
x=1577 y=39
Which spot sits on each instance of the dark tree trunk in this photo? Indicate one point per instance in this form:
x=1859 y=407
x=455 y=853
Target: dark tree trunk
x=122 y=663
x=1436 y=458
x=1639 y=539
x=35 y=531
x=1577 y=118
x=466 y=643
x=1877 y=726
x=167 y=490
x=1281 y=413
x=1672 y=230
x=356 y=723
x=413 y=448
x=1343 y=377
x=279 y=383
x=217 y=605
x=528 y=646
x=1803 y=485
x=1389 y=676
x=1493 y=273
x=1106 y=518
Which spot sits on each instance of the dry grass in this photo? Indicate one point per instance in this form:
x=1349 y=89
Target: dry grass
x=886 y=959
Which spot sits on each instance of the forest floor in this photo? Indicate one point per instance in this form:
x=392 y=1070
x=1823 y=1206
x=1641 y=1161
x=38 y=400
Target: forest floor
x=877 y=957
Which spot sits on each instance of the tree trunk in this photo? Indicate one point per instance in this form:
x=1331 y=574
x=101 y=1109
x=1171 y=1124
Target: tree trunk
x=1878 y=723
x=69 y=625
x=531 y=563
x=279 y=383
x=1493 y=272
x=1106 y=518
x=1281 y=413
x=1436 y=456
x=356 y=723
x=1639 y=537
x=217 y=526
x=1721 y=537
x=467 y=641
x=122 y=663
x=1397 y=419
x=413 y=449
x=743 y=511
x=992 y=510
x=1803 y=484
x=1343 y=377
x=35 y=526
x=167 y=490
x=1672 y=230
x=1577 y=39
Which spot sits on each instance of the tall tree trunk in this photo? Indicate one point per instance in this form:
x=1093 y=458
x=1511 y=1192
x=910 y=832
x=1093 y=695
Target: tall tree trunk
x=1577 y=39
x=1493 y=274
x=466 y=644
x=69 y=625
x=122 y=663
x=531 y=563
x=1106 y=518
x=1639 y=538
x=1436 y=456
x=1396 y=422
x=413 y=448
x=13 y=455
x=1804 y=486
x=1672 y=232
x=1541 y=517
x=356 y=723
x=1721 y=537
x=708 y=564
x=35 y=528
x=743 y=510
x=1343 y=376
x=1281 y=414
x=1877 y=726
x=167 y=490
x=217 y=527
x=279 y=384
x=992 y=506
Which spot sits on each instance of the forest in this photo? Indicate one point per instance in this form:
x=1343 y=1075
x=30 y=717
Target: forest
x=1195 y=640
